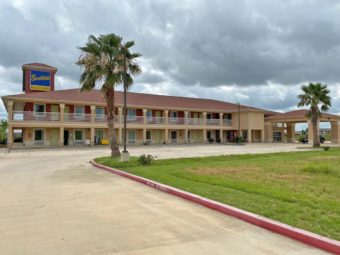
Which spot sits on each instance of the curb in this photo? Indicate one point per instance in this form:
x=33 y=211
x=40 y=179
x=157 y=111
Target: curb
x=301 y=235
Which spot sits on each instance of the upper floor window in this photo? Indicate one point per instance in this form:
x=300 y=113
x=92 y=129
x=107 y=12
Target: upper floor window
x=100 y=111
x=173 y=115
x=149 y=115
x=79 y=111
x=39 y=109
x=227 y=116
x=131 y=114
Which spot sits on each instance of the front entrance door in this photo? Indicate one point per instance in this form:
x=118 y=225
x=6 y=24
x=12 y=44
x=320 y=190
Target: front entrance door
x=54 y=137
x=66 y=136
x=99 y=136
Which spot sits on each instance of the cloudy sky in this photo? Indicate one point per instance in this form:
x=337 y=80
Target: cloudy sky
x=257 y=52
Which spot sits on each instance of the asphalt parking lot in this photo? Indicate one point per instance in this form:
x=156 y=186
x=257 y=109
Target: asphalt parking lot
x=54 y=202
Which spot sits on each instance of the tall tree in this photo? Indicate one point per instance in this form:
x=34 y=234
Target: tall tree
x=316 y=96
x=102 y=62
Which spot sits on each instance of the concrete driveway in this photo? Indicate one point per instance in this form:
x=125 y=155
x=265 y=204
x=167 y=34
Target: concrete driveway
x=55 y=202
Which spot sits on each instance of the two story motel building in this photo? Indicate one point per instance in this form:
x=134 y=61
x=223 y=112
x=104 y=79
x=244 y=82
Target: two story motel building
x=43 y=116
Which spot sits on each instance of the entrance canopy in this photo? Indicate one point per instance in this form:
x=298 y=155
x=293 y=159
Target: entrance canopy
x=300 y=116
x=284 y=124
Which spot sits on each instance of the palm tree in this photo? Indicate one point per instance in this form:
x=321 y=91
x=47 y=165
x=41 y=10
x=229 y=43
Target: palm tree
x=102 y=62
x=128 y=67
x=315 y=95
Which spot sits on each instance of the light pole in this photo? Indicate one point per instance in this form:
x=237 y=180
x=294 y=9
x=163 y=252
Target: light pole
x=239 y=119
x=125 y=153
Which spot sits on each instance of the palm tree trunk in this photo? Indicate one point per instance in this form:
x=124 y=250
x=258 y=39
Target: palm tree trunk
x=110 y=116
x=315 y=123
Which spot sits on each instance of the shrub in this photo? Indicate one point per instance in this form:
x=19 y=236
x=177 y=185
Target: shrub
x=145 y=159
x=326 y=148
x=239 y=139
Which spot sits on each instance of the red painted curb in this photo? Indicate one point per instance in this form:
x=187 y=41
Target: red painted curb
x=304 y=236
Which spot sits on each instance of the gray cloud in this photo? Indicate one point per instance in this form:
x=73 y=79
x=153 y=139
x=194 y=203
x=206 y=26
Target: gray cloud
x=256 y=49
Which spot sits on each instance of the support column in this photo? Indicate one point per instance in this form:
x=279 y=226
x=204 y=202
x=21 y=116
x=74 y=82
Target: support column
x=291 y=132
x=262 y=136
x=204 y=127
x=61 y=136
x=186 y=136
x=92 y=134
x=335 y=131
x=10 y=105
x=144 y=117
x=166 y=122
x=166 y=117
x=221 y=127
x=166 y=132
x=93 y=114
x=268 y=132
x=249 y=135
x=9 y=135
x=186 y=120
x=62 y=112
x=144 y=135
x=120 y=132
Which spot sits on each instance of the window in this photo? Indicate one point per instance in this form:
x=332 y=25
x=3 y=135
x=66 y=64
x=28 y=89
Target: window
x=209 y=116
x=79 y=111
x=131 y=114
x=227 y=116
x=79 y=135
x=173 y=115
x=149 y=115
x=131 y=136
x=39 y=109
x=148 y=135
x=39 y=135
x=173 y=136
x=100 y=113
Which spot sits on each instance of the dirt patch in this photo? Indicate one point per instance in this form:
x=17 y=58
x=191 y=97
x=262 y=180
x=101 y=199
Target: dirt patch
x=222 y=170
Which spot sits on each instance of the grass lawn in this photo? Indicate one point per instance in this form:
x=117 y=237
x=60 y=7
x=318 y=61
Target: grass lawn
x=298 y=188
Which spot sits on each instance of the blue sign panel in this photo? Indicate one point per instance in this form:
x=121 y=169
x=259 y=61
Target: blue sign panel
x=40 y=80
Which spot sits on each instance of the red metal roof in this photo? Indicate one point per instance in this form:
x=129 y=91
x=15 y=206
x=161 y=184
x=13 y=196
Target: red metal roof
x=136 y=99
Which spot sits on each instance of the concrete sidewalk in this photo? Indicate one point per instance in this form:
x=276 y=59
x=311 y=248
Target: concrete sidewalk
x=56 y=203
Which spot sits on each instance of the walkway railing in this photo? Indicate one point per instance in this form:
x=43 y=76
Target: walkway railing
x=77 y=117
x=213 y=122
x=35 y=116
x=101 y=118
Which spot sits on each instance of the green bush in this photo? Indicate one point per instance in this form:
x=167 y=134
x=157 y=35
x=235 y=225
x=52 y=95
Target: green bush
x=145 y=159
x=239 y=139
x=326 y=148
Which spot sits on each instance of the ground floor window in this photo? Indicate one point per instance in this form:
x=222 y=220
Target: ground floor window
x=39 y=135
x=148 y=135
x=174 y=136
x=189 y=135
x=79 y=135
x=131 y=136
